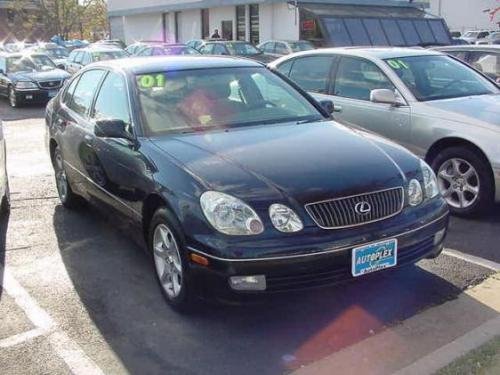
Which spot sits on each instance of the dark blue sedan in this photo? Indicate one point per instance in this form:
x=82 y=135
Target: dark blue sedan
x=238 y=181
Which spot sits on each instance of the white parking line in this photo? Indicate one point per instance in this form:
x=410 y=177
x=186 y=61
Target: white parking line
x=68 y=350
x=473 y=259
x=21 y=337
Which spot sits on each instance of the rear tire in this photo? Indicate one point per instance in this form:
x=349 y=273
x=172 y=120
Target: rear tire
x=66 y=195
x=166 y=246
x=464 y=180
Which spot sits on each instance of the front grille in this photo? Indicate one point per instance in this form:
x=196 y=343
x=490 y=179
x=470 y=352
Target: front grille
x=50 y=84
x=341 y=212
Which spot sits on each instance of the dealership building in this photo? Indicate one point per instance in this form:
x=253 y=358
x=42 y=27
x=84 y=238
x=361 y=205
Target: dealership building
x=325 y=22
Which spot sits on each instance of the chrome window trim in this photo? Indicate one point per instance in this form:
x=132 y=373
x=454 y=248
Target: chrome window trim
x=357 y=195
x=334 y=250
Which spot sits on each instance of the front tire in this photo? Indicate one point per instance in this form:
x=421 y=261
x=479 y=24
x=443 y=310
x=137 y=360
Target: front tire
x=13 y=101
x=5 y=204
x=464 y=180
x=166 y=246
x=66 y=196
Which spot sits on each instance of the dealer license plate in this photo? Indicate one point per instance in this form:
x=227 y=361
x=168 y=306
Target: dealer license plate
x=374 y=257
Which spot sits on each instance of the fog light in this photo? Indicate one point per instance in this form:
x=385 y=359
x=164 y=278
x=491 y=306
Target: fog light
x=439 y=236
x=256 y=282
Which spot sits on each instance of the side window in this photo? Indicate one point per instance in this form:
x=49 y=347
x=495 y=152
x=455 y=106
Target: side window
x=3 y=64
x=71 y=57
x=312 y=73
x=86 y=60
x=285 y=67
x=146 y=51
x=281 y=49
x=78 y=57
x=158 y=52
x=268 y=47
x=488 y=63
x=68 y=94
x=112 y=100
x=85 y=90
x=219 y=49
x=356 y=78
x=207 y=49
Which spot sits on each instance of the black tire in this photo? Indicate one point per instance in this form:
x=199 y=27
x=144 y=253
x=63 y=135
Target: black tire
x=185 y=300
x=486 y=196
x=67 y=197
x=5 y=204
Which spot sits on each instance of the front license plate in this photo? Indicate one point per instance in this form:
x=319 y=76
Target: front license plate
x=374 y=257
x=52 y=93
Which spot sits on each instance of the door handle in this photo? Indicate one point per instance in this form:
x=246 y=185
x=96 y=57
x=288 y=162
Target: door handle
x=337 y=108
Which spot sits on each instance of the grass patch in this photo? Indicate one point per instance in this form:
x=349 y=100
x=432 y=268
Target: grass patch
x=484 y=360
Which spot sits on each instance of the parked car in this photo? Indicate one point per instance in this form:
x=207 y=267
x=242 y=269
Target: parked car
x=29 y=78
x=473 y=36
x=198 y=43
x=80 y=58
x=4 y=178
x=458 y=42
x=431 y=103
x=278 y=48
x=238 y=181
x=484 y=58
x=167 y=49
x=111 y=43
x=58 y=54
x=493 y=38
x=455 y=34
x=242 y=49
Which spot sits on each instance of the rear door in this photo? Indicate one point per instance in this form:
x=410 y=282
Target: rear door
x=354 y=79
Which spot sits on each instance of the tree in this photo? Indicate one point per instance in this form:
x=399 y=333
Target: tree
x=66 y=18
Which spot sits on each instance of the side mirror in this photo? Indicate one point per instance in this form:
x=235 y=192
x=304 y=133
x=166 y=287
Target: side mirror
x=327 y=105
x=385 y=96
x=112 y=129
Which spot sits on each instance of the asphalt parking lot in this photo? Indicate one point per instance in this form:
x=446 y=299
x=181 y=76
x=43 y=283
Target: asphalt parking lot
x=79 y=296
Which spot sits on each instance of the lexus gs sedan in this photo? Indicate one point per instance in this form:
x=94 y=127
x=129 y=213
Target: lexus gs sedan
x=238 y=181
x=435 y=105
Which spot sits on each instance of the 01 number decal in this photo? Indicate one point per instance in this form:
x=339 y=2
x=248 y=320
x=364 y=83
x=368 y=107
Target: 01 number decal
x=149 y=81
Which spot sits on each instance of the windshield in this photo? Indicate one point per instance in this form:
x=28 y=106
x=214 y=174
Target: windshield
x=439 y=77
x=37 y=63
x=242 y=49
x=471 y=34
x=108 y=55
x=56 y=53
x=202 y=99
x=301 y=46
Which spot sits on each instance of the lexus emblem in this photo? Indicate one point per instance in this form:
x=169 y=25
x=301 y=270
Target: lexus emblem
x=362 y=208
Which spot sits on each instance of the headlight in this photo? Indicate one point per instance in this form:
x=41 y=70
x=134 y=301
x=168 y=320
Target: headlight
x=285 y=219
x=430 y=181
x=26 y=85
x=229 y=215
x=415 y=195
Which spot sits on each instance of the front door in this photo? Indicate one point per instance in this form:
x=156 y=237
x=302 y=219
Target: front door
x=227 y=30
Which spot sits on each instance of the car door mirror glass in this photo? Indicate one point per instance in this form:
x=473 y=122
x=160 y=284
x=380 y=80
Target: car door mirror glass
x=112 y=129
x=385 y=96
x=327 y=105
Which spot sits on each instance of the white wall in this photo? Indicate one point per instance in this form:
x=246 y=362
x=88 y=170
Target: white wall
x=217 y=15
x=189 y=25
x=284 y=25
x=143 y=27
x=265 y=22
x=461 y=15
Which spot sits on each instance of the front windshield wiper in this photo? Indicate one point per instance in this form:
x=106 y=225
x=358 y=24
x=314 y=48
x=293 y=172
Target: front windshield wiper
x=310 y=120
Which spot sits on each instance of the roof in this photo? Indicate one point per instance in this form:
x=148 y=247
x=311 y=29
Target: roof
x=373 y=52
x=144 y=65
x=98 y=48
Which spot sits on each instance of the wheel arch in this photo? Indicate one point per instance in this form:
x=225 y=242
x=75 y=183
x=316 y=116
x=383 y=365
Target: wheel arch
x=52 y=148
x=152 y=202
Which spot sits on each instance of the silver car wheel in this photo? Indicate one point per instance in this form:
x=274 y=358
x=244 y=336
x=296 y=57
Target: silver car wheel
x=167 y=260
x=458 y=182
x=61 y=178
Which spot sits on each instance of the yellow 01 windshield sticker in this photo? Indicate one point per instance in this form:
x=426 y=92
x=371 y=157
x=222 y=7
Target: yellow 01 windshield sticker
x=397 y=64
x=149 y=81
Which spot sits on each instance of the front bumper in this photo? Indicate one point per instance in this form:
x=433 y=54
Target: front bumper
x=300 y=271
x=35 y=95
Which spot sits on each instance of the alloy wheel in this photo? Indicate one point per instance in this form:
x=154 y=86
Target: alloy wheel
x=167 y=260
x=458 y=182
x=61 y=178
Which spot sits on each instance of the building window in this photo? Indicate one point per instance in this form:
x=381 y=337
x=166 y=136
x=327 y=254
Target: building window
x=205 y=24
x=254 y=23
x=241 y=22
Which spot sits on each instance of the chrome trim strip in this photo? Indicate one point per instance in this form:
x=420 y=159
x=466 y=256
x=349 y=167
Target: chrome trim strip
x=104 y=190
x=313 y=254
x=357 y=195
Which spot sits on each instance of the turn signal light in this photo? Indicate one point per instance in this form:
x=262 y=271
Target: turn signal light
x=198 y=259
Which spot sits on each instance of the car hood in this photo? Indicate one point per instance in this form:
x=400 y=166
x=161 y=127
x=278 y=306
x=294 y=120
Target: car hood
x=304 y=163
x=55 y=74
x=481 y=110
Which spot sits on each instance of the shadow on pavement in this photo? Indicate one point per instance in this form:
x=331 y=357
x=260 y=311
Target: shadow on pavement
x=4 y=224
x=31 y=111
x=115 y=282
x=479 y=236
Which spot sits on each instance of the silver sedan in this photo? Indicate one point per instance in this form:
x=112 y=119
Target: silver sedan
x=433 y=104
